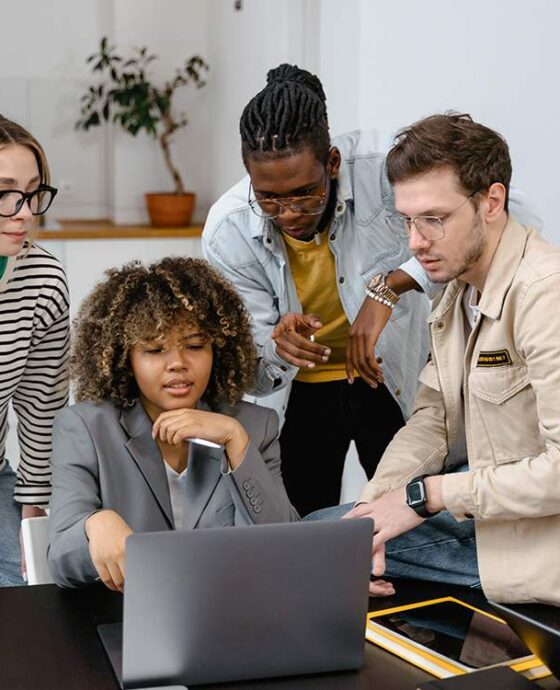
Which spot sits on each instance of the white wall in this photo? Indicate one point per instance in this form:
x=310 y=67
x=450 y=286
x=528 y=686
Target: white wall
x=42 y=75
x=242 y=46
x=337 y=62
x=497 y=60
x=105 y=172
x=383 y=65
x=174 y=30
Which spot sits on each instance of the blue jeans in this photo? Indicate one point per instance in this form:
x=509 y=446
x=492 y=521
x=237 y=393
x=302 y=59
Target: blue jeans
x=10 y=522
x=440 y=549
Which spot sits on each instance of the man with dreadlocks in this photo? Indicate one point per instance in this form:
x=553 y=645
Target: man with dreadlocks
x=304 y=240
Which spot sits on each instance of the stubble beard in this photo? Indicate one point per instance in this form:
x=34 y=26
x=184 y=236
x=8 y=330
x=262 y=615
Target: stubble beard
x=472 y=253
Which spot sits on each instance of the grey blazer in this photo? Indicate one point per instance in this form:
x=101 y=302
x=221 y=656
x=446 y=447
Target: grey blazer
x=105 y=457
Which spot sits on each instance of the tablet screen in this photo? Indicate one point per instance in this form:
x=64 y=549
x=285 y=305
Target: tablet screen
x=457 y=632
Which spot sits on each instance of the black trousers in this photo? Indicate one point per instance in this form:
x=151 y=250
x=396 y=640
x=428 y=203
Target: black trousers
x=321 y=421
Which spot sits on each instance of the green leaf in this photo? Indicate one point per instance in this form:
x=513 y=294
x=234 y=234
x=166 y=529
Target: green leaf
x=92 y=121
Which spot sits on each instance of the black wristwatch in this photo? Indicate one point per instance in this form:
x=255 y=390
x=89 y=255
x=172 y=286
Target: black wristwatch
x=416 y=496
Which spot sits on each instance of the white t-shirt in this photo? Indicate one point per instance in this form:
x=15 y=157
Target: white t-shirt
x=176 y=483
x=470 y=305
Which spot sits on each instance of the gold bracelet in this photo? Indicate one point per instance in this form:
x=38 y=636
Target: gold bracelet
x=378 y=290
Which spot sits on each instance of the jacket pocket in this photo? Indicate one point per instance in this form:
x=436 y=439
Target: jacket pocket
x=497 y=385
x=507 y=407
x=225 y=516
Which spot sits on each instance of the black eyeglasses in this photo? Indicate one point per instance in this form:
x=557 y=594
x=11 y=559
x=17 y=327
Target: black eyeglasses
x=311 y=205
x=39 y=200
x=430 y=227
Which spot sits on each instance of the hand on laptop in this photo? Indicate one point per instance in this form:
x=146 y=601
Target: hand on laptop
x=391 y=516
x=107 y=533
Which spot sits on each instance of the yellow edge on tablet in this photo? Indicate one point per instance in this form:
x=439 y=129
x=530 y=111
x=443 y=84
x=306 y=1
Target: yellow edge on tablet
x=530 y=666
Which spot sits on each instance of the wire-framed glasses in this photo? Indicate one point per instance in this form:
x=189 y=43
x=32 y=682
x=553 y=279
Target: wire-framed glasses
x=431 y=228
x=39 y=200
x=306 y=205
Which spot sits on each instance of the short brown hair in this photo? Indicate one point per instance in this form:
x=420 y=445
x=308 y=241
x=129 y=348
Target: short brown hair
x=138 y=303
x=478 y=154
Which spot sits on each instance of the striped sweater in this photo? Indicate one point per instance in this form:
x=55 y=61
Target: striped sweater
x=34 y=340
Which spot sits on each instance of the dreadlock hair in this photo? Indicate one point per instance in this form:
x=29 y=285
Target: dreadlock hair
x=137 y=304
x=289 y=114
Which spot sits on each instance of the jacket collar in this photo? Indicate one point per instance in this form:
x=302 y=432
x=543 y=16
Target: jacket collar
x=203 y=472
x=503 y=268
x=146 y=455
x=345 y=189
x=203 y=475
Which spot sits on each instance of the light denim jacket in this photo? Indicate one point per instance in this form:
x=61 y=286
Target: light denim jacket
x=250 y=253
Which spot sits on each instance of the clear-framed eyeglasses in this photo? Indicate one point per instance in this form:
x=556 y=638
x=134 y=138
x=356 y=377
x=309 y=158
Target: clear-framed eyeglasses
x=431 y=228
x=39 y=200
x=312 y=205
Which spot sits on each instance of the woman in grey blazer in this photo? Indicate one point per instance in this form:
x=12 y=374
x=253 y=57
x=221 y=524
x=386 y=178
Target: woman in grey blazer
x=162 y=354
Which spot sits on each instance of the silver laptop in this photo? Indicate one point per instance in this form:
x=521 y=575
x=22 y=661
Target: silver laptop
x=538 y=626
x=217 y=605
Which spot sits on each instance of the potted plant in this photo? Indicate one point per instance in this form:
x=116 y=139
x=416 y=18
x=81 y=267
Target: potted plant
x=127 y=96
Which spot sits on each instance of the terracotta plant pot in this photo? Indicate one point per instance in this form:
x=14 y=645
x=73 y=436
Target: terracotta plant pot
x=170 y=210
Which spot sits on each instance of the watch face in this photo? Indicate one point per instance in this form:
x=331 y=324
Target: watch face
x=415 y=493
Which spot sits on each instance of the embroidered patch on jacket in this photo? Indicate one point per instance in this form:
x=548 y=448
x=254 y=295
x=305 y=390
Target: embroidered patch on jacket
x=495 y=358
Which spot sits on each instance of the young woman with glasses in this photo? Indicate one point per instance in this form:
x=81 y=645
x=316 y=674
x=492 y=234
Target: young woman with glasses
x=33 y=339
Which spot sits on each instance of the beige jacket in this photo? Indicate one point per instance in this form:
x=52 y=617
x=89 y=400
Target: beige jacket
x=502 y=386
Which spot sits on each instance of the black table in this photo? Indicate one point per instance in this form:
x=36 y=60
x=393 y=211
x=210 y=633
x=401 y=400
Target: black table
x=48 y=640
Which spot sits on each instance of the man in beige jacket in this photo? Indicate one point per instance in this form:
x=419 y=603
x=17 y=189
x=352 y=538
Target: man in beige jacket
x=469 y=490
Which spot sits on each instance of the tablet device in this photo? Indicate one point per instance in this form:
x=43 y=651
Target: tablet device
x=449 y=637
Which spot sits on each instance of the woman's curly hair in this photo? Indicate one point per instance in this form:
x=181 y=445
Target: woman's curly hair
x=138 y=303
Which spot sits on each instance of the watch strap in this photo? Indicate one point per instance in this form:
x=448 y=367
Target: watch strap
x=378 y=290
x=420 y=509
